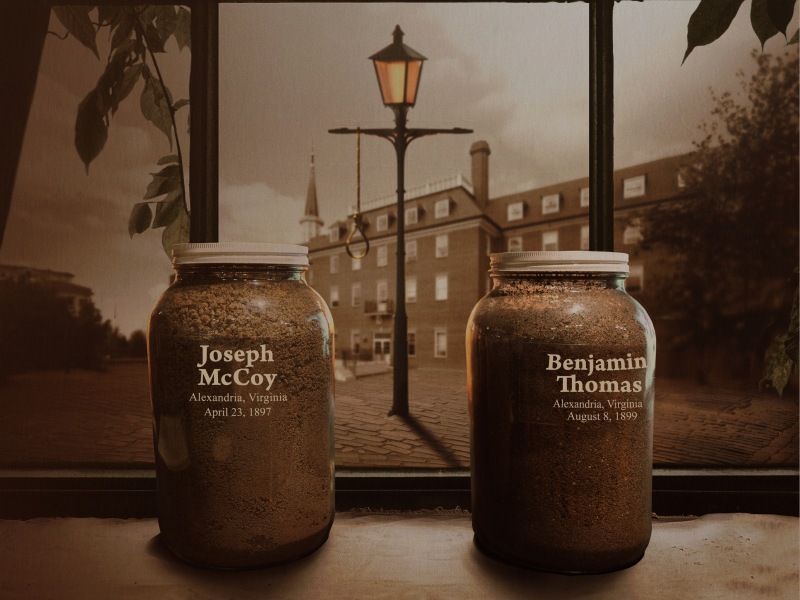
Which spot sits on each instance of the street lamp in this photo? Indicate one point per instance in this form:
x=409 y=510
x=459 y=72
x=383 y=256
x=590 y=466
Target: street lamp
x=398 y=69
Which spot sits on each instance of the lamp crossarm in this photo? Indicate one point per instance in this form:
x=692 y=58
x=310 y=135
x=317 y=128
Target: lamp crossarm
x=391 y=134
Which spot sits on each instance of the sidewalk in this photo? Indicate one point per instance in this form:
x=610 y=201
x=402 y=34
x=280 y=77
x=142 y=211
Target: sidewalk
x=89 y=417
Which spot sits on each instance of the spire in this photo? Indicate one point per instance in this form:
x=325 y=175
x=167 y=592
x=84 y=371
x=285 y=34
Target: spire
x=311 y=223
x=311 y=198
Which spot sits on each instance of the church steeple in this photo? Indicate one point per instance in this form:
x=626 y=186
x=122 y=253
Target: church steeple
x=311 y=223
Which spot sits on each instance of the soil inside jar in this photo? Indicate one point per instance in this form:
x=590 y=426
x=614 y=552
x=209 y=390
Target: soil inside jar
x=250 y=484
x=560 y=481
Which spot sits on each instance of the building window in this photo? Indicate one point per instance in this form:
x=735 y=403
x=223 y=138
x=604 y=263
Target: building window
x=355 y=342
x=356 y=294
x=635 y=281
x=412 y=216
x=550 y=241
x=334 y=234
x=411 y=289
x=412 y=343
x=411 y=251
x=584 y=197
x=334 y=296
x=382 y=223
x=441 y=246
x=355 y=264
x=440 y=343
x=515 y=244
x=585 y=237
x=441 y=287
x=515 y=211
x=681 y=181
x=383 y=252
x=335 y=264
x=382 y=290
x=442 y=208
x=551 y=204
x=633 y=187
x=632 y=234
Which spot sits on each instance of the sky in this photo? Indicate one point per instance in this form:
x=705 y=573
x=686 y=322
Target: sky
x=515 y=73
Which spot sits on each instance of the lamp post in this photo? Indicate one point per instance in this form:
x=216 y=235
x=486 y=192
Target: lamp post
x=398 y=69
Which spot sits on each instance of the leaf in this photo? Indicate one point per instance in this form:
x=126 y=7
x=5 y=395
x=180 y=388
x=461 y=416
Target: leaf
x=107 y=13
x=709 y=21
x=125 y=85
x=123 y=31
x=762 y=24
x=176 y=232
x=152 y=38
x=166 y=21
x=155 y=109
x=777 y=365
x=140 y=218
x=794 y=39
x=165 y=181
x=179 y=104
x=171 y=158
x=91 y=132
x=76 y=20
x=183 y=30
x=780 y=12
x=169 y=209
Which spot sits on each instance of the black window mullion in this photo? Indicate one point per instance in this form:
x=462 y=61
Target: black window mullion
x=204 y=123
x=601 y=125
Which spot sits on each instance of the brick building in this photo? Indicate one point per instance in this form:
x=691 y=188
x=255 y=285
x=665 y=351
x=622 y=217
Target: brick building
x=451 y=228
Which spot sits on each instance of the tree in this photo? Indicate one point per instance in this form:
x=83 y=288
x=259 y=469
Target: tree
x=734 y=240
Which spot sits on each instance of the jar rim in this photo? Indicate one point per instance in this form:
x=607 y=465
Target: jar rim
x=239 y=253
x=565 y=261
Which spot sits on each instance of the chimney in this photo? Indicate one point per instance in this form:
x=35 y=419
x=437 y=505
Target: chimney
x=480 y=172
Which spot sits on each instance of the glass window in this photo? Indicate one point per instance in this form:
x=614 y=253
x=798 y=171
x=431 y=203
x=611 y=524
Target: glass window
x=585 y=237
x=382 y=223
x=441 y=246
x=411 y=289
x=441 y=287
x=584 y=197
x=411 y=250
x=440 y=343
x=412 y=215
x=356 y=294
x=355 y=264
x=412 y=343
x=382 y=255
x=681 y=180
x=334 y=296
x=515 y=211
x=442 y=208
x=515 y=244
x=632 y=234
x=550 y=241
x=551 y=204
x=335 y=263
x=355 y=342
x=382 y=290
x=633 y=187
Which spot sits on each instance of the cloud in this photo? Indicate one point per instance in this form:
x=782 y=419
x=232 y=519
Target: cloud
x=257 y=213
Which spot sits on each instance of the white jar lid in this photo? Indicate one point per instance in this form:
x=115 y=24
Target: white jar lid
x=239 y=253
x=571 y=261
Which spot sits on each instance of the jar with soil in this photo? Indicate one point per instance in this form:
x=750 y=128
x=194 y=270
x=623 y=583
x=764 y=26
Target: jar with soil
x=241 y=381
x=561 y=364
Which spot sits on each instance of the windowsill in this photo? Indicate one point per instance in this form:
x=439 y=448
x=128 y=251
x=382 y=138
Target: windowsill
x=396 y=556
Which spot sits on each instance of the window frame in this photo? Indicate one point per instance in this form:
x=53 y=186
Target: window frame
x=382 y=255
x=356 y=285
x=545 y=243
x=411 y=281
x=437 y=278
x=446 y=246
x=128 y=490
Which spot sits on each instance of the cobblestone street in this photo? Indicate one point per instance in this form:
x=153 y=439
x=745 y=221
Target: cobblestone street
x=89 y=417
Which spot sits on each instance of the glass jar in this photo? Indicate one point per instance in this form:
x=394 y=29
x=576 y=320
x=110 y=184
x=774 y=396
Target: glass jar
x=241 y=381
x=560 y=363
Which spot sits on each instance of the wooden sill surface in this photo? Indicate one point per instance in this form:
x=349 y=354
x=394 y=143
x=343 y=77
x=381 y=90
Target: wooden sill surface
x=731 y=556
